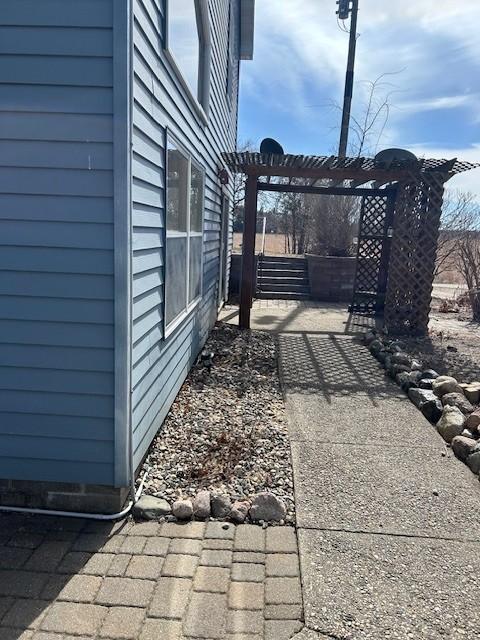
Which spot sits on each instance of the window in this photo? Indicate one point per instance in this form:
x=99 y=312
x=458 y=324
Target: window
x=230 y=52
x=184 y=246
x=188 y=45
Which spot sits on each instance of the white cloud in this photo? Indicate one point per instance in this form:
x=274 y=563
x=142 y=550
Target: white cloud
x=299 y=68
x=434 y=104
x=298 y=45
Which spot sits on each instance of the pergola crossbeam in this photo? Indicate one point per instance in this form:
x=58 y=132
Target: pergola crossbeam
x=329 y=191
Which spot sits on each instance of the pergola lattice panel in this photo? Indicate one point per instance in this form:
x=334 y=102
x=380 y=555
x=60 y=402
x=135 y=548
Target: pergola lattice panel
x=412 y=260
x=372 y=254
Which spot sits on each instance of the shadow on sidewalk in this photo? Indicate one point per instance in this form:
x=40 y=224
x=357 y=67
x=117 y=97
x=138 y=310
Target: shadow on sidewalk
x=330 y=365
x=46 y=559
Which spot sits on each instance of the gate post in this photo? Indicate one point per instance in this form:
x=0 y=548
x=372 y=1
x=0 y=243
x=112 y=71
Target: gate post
x=248 y=251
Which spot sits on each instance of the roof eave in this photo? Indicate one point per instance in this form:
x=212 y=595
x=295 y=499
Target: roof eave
x=247 y=29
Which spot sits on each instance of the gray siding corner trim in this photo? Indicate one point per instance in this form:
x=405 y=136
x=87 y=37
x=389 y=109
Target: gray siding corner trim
x=122 y=140
x=247 y=29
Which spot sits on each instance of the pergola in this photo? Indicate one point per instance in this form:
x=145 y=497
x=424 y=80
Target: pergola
x=398 y=233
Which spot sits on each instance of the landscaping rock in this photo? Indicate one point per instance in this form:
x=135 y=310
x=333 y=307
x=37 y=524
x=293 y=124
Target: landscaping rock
x=395 y=369
x=427 y=402
x=183 y=509
x=151 y=508
x=375 y=346
x=445 y=384
x=420 y=396
x=473 y=460
x=397 y=345
x=369 y=337
x=473 y=420
x=463 y=447
x=414 y=377
x=468 y=434
x=432 y=410
x=416 y=365
x=425 y=383
x=402 y=358
x=403 y=380
x=430 y=373
x=381 y=356
x=451 y=423
x=267 y=507
x=457 y=400
x=201 y=505
x=239 y=511
x=221 y=506
x=472 y=392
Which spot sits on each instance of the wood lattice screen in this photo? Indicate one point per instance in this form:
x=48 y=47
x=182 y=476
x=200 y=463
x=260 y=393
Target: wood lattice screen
x=373 y=249
x=418 y=209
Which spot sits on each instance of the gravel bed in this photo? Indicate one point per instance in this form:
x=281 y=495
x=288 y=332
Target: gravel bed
x=226 y=431
x=452 y=346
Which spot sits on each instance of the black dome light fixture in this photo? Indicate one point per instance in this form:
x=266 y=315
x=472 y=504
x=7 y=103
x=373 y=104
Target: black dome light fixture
x=395 y=157
x=269 y=145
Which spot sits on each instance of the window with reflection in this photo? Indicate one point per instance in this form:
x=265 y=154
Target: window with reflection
x=187 y=43
x=184 y=237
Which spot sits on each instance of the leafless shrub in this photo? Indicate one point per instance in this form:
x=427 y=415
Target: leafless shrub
x=459 y=243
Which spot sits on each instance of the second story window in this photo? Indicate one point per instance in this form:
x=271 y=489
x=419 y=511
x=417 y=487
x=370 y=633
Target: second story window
x=230 y=52
x=188 y=45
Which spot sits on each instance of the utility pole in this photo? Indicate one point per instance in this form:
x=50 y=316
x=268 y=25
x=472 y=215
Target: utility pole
x=343 y=9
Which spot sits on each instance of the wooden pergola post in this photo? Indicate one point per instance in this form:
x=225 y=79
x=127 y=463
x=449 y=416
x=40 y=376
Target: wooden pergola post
x=248 y=251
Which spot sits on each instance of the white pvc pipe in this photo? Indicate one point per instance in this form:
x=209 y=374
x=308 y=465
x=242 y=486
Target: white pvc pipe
x=263 y=234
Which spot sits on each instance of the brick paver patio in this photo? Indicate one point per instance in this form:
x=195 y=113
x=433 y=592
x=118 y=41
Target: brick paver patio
x=66 y=578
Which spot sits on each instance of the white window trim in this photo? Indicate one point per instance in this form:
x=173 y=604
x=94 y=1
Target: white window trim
x=169 y=328
x=201 y=107
x=231 y=57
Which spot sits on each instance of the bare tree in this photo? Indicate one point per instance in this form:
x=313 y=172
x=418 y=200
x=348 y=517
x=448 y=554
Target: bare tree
x=335 y=223
x=294 y=219
x=368 y=127
x=459 y=243
x=458 y=214
x=368 y=121
x=238 y=190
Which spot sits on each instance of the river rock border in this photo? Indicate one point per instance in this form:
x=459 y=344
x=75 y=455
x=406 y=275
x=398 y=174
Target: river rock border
x=265 y=508
x=450 y=405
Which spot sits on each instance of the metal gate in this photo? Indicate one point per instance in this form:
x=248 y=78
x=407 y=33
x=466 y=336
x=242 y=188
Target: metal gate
x=373 y=251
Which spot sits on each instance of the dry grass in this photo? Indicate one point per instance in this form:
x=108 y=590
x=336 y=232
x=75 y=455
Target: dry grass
x=274 y=243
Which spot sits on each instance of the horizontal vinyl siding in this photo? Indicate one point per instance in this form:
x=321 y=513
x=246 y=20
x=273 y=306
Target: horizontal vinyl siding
x=56 y=241
x=160 y=365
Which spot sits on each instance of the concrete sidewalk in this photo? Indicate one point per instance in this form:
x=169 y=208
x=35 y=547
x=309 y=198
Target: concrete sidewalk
x=388 y=520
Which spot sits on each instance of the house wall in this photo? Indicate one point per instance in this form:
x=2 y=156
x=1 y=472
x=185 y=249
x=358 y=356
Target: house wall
x=56 y=241
x=159 y=364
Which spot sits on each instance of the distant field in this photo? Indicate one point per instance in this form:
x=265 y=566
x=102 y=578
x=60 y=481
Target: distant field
x=274 y=243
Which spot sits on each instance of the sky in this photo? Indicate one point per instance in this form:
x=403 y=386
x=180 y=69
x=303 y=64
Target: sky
x=424 y=53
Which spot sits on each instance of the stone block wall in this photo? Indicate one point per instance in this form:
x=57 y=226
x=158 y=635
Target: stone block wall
x=331 y=278
x=60 y=496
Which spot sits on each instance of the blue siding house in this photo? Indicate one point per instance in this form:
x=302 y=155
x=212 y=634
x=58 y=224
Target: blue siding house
x=115 y=231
